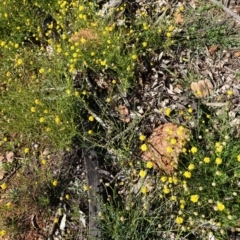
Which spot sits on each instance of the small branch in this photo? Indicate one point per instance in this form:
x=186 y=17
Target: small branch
x=227 y=10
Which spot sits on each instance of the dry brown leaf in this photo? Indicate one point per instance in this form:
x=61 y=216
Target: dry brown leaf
x=202 y=88
x=2 y=158
x=178 y=18
x=10 y=156
x=213 y=49
x=124 y=112
x=85 y=33
x=161 y=151
x=237 y=54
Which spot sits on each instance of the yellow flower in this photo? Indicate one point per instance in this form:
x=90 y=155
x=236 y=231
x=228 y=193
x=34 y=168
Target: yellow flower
x=142 y=137
x=191 y=166
x=144 y=190
x=218 y=161
x=91 y=118
x=220 y=206
x=238 y=157
x=168 y=34
x=170 y=28
x=41 y=70
x=219 y=149
x=167 y=111
x=81 y=8
x=187 y=174
x=149 y=164
x=142 y=173
x=67 y=196
x=3 y=233
x=179 y=220
x=33 y=109
x=169 y=149
x=164 y=178
x=206 y=160
x=37 y=101
x=193 y=150
x=3 y=186
x=166 y=190
x=55 y=220
x=55 y=183
x=104 y=62
x=144 y=147
x=173 y=141
x=194 y=198
x=90 y=132
x=83 y=40
x=229 y=92
x=8 y=204
x=175 y=180
x=190 y=110
x=134 y=57
x=144 y=44
x=43 y=161
x=181 y=8
x=85 y=187
x=26 y=150
x=19 y=61
x=41 y=120
x=57 y=120
x=184 y=150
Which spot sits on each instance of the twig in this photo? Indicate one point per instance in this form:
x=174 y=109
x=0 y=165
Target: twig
x=227 y=10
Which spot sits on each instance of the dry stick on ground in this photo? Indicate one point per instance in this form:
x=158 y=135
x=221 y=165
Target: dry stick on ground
x=227 y=10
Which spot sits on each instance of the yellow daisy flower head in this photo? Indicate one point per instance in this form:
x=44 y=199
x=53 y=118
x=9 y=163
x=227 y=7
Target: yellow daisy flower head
x=193 y=150
x=191 y=166
x=144 y=147
x=142 y=137
x=144 y=190
x=3 y=186
x=142 y=173
x=194 y=198
x=206 y=160
x=220 y=206
x=149 y=164
x=179 y=220
x=187 y=174
x=55 y=183
x=218 y=161
x=91 y=118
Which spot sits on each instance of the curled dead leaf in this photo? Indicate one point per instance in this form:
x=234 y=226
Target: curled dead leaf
x=178 y=18
x=213 y=49
x=10 y=156
x=237 y=54
x=202 y=88
x=2 y=158
x=124 y=113
x=165 y=145
x=86 y=34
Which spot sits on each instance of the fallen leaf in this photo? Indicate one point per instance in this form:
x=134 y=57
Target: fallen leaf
x=124 y=112
x=213 y=49
x=202 y=88
x=10 y=156
x=85 y=33
x=1 y=167
x=161 y=151
x=178 y=18
x=237 y=54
